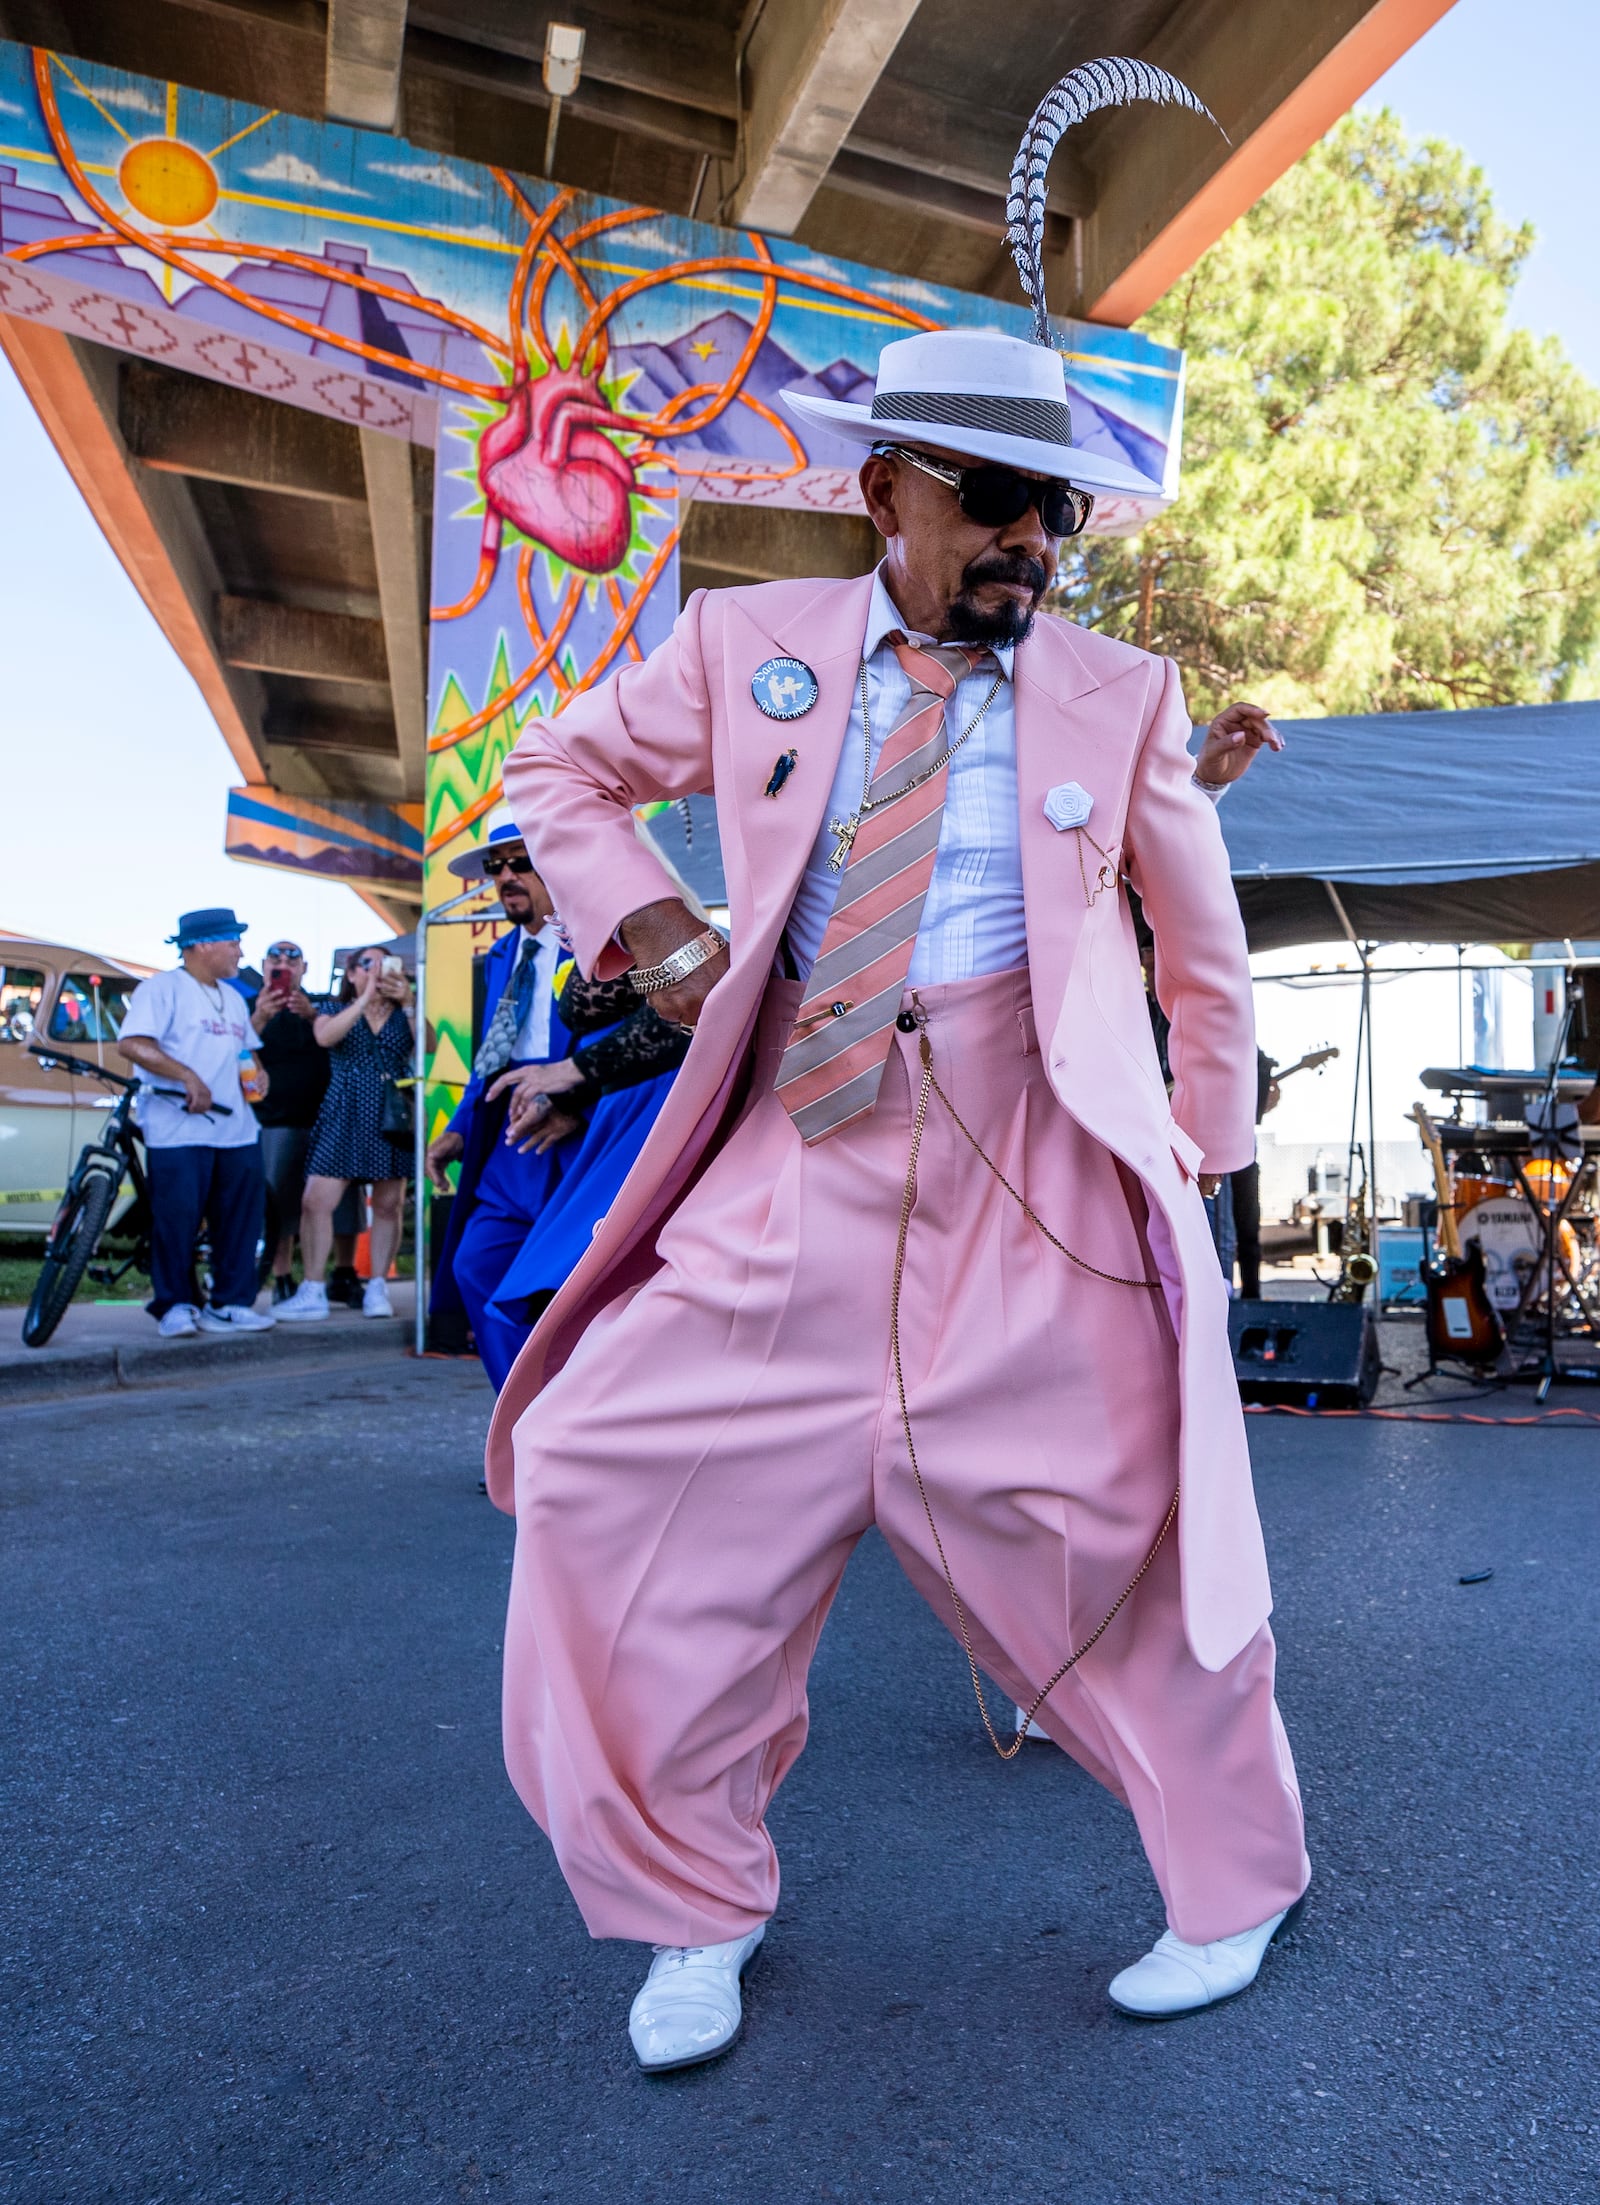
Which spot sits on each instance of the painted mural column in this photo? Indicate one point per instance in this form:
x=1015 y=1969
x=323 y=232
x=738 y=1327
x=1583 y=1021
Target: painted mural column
x=517 y=628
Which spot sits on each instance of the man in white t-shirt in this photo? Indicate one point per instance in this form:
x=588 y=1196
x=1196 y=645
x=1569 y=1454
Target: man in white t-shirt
x=189 y=1032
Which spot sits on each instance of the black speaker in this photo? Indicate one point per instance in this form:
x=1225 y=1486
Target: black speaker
x=1310 y=1355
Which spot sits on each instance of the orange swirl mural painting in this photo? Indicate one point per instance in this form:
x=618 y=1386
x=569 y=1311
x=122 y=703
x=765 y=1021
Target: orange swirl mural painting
x=581 y=369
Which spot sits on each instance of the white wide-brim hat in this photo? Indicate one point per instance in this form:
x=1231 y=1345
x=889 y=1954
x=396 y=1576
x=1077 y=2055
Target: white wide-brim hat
x=978 y=392
x=503 y=829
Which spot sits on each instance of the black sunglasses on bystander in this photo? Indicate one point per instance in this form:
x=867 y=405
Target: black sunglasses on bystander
x=495 y=866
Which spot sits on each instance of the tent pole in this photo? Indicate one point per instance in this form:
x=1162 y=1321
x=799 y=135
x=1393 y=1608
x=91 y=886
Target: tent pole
x=1364 y=951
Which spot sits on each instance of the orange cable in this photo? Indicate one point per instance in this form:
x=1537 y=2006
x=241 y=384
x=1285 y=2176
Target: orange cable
x=447 y=738
x=488 y=567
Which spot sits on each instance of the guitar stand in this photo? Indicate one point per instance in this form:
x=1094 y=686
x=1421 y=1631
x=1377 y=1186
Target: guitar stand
x=1456 y=1367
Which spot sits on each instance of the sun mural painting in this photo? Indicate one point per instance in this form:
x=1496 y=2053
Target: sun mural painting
x=580 y=368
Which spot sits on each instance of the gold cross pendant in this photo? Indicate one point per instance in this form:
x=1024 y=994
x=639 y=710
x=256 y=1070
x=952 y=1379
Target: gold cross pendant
x=845 y=829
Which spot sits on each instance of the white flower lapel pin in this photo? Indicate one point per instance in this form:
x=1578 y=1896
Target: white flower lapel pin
x=1068 y=805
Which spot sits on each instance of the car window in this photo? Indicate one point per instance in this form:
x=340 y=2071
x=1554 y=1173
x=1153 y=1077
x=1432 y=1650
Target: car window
x=20 y=991
x=89 y=1008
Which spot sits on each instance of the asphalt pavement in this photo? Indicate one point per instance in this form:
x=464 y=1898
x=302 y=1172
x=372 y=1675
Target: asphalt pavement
x=276 y=1929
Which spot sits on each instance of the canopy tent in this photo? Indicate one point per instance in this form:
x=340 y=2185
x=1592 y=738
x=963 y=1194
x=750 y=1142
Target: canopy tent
x=1429 y=827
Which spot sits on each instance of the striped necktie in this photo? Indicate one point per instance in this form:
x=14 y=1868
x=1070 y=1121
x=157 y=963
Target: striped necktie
x=833 y=1065
x=499 y=1043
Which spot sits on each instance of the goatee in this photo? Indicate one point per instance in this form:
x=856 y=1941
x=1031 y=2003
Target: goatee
x=1010 y=622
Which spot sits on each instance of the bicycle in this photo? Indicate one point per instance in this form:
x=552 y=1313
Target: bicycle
x=91 y=1196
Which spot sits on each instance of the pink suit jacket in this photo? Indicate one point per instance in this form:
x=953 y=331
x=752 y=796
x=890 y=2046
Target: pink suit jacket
x=1089 y=710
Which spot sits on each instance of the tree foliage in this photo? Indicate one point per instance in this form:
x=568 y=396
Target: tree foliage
x=1390 y=496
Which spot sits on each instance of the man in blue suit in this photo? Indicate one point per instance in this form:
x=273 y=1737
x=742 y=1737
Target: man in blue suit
x=502 y=1190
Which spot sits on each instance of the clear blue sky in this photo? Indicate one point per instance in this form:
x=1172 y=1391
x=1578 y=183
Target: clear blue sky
x=1514 y=84
x=115 y=776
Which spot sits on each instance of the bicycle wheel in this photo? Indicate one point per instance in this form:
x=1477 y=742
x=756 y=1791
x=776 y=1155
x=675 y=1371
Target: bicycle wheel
x=73 y=1239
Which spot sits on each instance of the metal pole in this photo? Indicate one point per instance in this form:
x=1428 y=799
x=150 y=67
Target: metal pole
x=425 y=919
x=419 y=1238
x=1363 y=951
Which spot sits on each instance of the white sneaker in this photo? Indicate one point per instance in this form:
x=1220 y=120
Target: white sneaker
x=234 y=1318
x=689 y=2009
x=1174 y=1978
x=375 y=1300
x=307 y=1305
x=180 y=1319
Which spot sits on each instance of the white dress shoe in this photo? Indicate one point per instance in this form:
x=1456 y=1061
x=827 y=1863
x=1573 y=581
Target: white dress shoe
x=1174 y=1978
x=688 y=2008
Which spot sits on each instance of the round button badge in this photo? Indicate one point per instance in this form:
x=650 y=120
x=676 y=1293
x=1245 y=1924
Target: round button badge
x=784 y=688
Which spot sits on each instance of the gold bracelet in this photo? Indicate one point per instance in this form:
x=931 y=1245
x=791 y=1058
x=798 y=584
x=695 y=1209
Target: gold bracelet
x=686 y=958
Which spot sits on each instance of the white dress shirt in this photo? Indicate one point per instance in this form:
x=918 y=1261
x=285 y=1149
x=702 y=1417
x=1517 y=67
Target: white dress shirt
x=972 y=919
x=532 y=1045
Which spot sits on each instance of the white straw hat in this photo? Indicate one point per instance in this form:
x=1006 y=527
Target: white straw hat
x=980 y=393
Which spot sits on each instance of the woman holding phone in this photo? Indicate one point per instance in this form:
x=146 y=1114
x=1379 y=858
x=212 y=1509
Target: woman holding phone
x=371 y=1041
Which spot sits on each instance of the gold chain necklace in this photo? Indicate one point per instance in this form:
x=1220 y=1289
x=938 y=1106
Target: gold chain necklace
x=216 y=1004
x=848 y=829
x=930 y=1086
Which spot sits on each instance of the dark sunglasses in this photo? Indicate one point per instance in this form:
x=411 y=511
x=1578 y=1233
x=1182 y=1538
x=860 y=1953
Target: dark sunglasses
x=495 y=866
x=995 y=496
x=287 y=951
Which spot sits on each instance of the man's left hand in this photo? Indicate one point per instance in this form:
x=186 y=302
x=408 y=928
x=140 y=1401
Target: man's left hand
x=1231 y=743
x=555 y=1125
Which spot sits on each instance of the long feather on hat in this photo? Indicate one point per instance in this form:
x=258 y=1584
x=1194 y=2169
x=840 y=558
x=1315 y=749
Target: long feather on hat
x=1112 y=83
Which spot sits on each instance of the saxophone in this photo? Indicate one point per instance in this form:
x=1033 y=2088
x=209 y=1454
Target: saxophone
x=1358 y=1266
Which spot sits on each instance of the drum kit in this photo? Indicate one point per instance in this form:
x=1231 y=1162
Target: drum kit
x=1518 y=1210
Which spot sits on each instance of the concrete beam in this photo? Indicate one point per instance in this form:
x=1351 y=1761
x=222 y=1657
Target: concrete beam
x=860 y=177
x=182 y=425
x=774 y=543
x=312 y=728
x=928 y=135
x=271 y=638
x=808 y=68
x=681 y=55
x=366 y=42
x=56 y=374
x=400 y=501
x=1277 y=78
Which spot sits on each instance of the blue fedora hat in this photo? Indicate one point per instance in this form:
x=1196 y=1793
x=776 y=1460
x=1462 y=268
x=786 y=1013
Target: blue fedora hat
x=217 y=924
x=502 y=829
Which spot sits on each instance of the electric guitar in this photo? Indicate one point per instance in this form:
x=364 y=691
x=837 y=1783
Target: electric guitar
x=1312 y=1061
x=1463 y=1324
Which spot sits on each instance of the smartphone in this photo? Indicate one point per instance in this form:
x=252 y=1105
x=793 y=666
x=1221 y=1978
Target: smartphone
x=393 y=967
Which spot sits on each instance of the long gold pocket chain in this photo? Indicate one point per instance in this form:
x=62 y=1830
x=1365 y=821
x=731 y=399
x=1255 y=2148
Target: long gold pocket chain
x=930 y=1086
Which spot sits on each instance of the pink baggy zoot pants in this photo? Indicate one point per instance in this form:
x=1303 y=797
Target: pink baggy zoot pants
x=690 y=1486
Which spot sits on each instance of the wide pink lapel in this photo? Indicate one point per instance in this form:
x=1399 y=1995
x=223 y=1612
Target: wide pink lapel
x=775 y=833
x=1061 y=740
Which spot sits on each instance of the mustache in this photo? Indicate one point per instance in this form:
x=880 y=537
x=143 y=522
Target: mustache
x=1026 y=573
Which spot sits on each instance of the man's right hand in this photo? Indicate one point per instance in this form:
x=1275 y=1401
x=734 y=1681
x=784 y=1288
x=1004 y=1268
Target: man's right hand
x=197 y=1094
x=653 y=934
x=443 y=1149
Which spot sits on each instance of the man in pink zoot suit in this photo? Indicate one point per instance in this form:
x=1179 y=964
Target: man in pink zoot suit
x=918 y=1239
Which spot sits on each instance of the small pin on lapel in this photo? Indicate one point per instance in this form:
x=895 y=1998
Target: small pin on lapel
x=784 y=688
x=782 y=770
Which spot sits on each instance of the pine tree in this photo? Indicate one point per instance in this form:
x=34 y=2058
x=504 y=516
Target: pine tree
x=1390 y=498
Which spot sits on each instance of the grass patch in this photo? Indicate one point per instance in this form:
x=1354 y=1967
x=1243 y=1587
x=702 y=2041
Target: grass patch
x=21 y=1255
